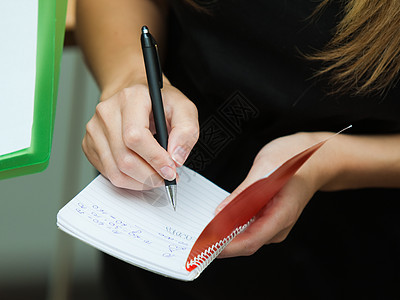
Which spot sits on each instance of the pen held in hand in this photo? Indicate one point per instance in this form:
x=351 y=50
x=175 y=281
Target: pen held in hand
x=155 y=83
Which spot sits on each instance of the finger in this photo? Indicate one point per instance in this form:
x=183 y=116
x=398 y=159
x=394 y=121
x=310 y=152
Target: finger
x=97 y=149
x=277 y=216
x=120 y=179
x=243 y=245
x=280 y=237
x=131 y=163
x=109 y=120
x=133 y=166
x=183 y=119
x=273 y=223
x=253 y=238
x=91 y=154
x=137 y=136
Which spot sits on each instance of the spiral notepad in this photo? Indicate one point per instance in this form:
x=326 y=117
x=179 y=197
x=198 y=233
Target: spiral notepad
x=142 y=229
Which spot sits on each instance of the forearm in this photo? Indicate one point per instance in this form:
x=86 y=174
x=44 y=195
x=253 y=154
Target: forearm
x=109 y=35
x=360 y=162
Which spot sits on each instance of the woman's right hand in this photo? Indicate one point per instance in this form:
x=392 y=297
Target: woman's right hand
x=119 y=138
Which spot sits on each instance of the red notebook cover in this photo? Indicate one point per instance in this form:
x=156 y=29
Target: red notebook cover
x=237 y=214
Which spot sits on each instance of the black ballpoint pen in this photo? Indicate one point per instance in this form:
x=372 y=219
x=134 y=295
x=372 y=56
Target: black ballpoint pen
x=155 y=83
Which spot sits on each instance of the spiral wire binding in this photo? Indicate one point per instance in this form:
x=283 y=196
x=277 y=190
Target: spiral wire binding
x=207 y=256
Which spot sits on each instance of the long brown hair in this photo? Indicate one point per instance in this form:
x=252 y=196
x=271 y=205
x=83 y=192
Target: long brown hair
x=363 y=56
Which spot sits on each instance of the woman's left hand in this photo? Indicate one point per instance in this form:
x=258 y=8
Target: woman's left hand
x=344 y=162
x=274 y=222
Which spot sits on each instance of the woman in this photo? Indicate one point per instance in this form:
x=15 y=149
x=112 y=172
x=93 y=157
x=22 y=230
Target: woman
x=265 y=80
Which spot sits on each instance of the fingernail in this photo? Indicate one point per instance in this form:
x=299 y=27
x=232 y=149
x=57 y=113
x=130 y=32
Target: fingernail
x=168 y=173
x=180 y=154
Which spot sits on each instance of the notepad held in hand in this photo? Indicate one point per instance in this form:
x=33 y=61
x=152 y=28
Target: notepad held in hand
x=140 y=227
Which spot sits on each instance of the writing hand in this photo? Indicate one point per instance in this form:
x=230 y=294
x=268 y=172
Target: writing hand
x=119 y=138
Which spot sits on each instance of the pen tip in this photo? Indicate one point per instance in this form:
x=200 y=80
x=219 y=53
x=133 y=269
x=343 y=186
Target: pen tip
x=171 y=192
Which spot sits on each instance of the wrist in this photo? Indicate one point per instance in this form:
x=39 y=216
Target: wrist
x=124 y=80
x=327 y=165
x=360 y=161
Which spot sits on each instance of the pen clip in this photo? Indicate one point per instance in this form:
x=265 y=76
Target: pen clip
x=160 y=82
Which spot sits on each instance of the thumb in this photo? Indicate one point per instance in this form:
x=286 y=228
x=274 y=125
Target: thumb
x=184 y=129
x=181 y=141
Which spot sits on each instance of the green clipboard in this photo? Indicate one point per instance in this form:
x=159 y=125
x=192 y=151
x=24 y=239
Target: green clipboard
x=50 y=38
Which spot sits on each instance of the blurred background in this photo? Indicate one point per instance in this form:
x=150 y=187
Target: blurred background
x=38 y=261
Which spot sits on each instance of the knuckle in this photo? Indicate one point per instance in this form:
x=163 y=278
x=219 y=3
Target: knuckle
x=189 y=132
x=280 y=239
x=283 y=227
x=250 y=247
x=127 y=92
x=84 y=145
x=142 y=89
x=193 y=127
x=101 y=109
x=124 y=162
x=116 y=179
x=132 y=137
x=103 y=113
x=138 y=91
x=292 y=215
x=193 y=130
x=90 y=127
x=191 y=106
x=156 y=160
x=291 y=221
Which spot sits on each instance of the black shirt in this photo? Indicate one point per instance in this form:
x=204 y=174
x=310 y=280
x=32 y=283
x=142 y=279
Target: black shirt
x=242 y=63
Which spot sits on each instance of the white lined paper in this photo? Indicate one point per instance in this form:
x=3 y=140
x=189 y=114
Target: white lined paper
x=141 y=227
